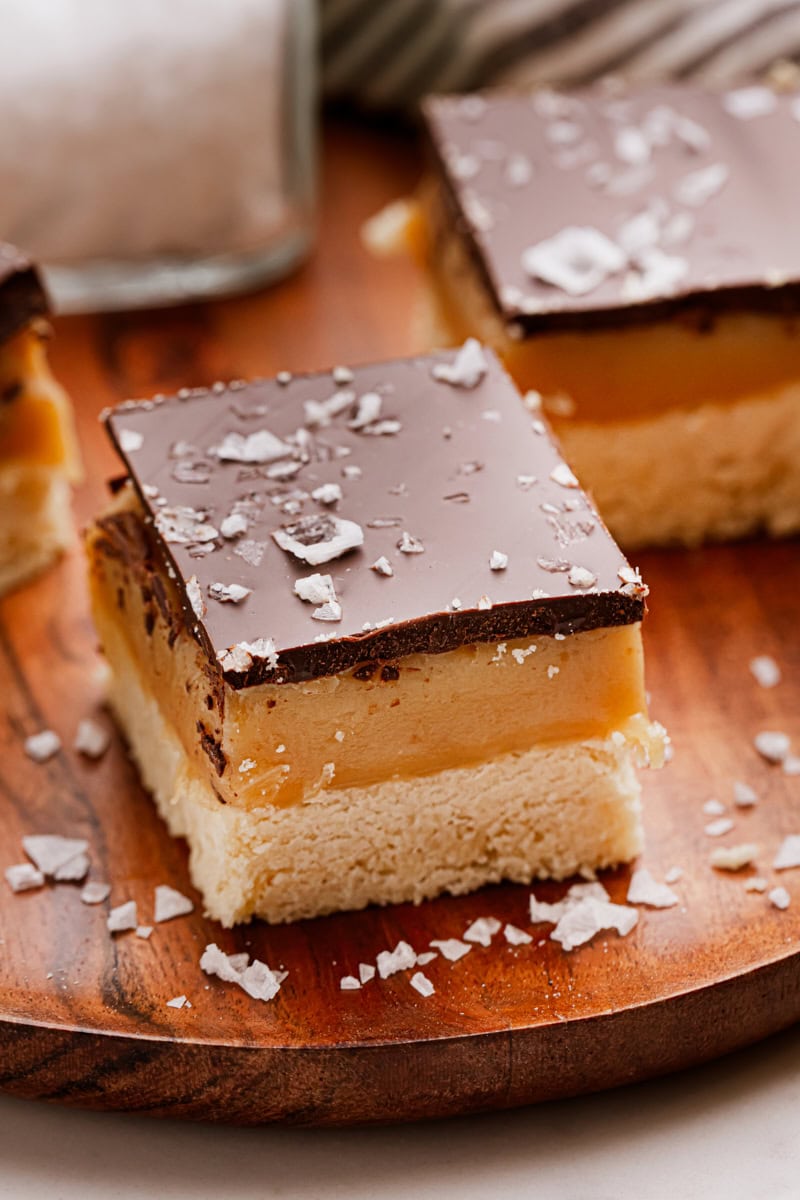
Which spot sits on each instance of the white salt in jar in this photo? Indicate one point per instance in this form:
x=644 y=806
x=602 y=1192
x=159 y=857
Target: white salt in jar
x=156 y=152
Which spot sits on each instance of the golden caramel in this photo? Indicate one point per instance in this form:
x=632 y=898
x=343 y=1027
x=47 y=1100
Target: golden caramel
x=35 y=419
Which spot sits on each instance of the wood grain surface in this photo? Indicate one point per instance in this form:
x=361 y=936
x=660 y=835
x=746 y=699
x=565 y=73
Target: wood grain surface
x=83 y=1017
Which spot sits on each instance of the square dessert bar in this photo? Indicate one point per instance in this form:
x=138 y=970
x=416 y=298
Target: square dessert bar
x=635 y=259
x=38 y=452
x=368 y=640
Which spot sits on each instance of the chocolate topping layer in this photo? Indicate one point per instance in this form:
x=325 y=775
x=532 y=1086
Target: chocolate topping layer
x=22 y=295
x=399 y=486
x=690 y=199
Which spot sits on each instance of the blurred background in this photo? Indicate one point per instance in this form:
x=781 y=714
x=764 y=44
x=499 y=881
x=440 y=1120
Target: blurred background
x=152 y=153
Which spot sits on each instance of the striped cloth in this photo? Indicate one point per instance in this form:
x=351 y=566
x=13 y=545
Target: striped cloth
x=388 y=53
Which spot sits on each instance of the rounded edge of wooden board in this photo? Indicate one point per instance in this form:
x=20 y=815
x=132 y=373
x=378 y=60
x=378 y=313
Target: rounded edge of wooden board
x=403 y=1081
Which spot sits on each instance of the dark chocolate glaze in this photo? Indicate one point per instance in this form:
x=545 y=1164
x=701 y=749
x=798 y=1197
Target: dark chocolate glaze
x=404 y=476
x=22 y=294
x=744 y=251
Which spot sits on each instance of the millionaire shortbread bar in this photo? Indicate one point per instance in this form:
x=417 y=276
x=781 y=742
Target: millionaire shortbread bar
x=38 y=452
x=368 y=640
x=635 y=260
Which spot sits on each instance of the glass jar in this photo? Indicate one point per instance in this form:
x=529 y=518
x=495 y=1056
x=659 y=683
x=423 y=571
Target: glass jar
x=153 y=153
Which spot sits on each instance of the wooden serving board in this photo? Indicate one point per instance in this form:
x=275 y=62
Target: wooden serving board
x=83 y=1017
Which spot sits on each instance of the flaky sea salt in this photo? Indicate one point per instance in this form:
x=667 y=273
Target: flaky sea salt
x=144 y=932
x=590 y=917
x=258 y=447
x=234 y=525
x=765 y=671
x=516 y=936
x=52 y=853
x=746 y=103
x=170 y=903
x=498 y=561
x=719 y=827
x=349 y=983
x=314 y=542
x=23 y=877
x=733 y=858
x=756 y=884
x=122 y=918
x=422 y=984
x=779 y=897
x=255 y=978
x=389 y=962
x=743 y=795
x=382 y=566
x=713 y=807
x=130 y=440
x=700 y=186
x=562 y=475
x=788 y=855
x=467 y=368
x=772 y=745
x=42 y=746
x=482 y=930
x=91 y=739
x=451 y=948
x=577 y=259
x=95 y=892
x=315 y=589
x=644 y=889
x=177 y=1002
x=581 y=577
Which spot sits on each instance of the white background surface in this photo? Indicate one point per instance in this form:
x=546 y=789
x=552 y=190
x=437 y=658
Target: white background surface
x=728 y=1130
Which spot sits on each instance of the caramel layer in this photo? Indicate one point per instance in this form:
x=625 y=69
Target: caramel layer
x=35 y=417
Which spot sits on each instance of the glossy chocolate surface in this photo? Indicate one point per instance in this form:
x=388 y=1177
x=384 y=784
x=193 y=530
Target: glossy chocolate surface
x=715 y=173
x=22 y=295
x=465 y=471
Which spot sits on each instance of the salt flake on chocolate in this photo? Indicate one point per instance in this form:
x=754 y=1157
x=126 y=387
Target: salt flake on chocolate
x=315 y=589
x=576 y=260
x=581 y=577
x=696 y=188
x=130 y=440
x=748 y=102
x=562 y=475
x=382 y=566
x=330 y=611
x=240 y=657
x=367 y=411
x=233 y=525
x=318 y=539
x=231 y=593
x=409 y=544
x=467 y=368
x=788 y=855
x=498 y=561
x=327 y=493
x=389 y=962
x=194 y=594
x=259 y=447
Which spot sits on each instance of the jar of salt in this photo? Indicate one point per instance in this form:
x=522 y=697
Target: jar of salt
x=157 y=152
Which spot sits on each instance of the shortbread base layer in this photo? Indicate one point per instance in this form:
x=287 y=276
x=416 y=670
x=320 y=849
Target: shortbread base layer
x=35 y=521
x=548 y=812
